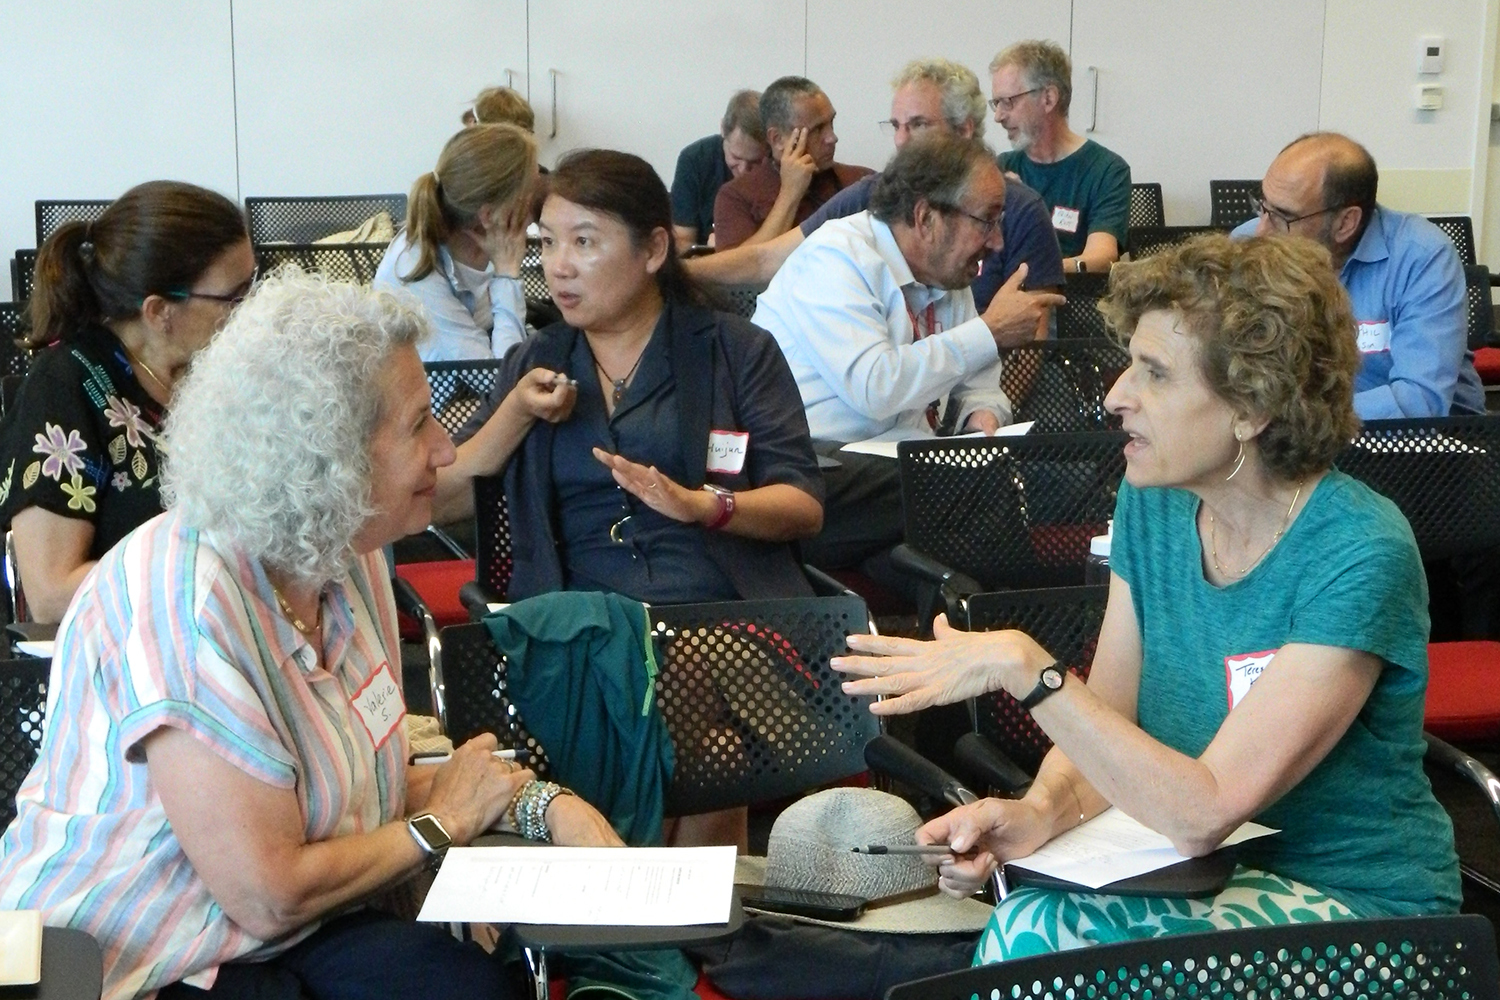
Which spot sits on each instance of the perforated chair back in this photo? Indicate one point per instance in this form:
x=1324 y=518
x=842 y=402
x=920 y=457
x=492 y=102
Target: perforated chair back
x=22 y=275
x=1147 y=240
x=23 y=705
x=459 y=389
x=1232 y=202
x=1061 y=384
x=744 y=687
x=493 y=561
x=50 y=215
x=14 y=322
x=1481 y=309
x=1436 y=958
x=354 y=262
x=1444 y=474
x=1459 y=229
x=1080 y=317
x=741 y=300
x=1011 y=511
x=533 y=280
x=304 y=220
x=1146 y=206
x=1066 y=622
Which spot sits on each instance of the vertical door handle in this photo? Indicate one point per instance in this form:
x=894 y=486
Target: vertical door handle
x=553 y=74
x=1094 y=111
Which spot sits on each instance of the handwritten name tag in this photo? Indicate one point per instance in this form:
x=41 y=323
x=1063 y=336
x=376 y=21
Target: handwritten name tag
x=727 y=450
x=1065 y=219
x=1244 y=670
x=379 y=706
x=1374 y=337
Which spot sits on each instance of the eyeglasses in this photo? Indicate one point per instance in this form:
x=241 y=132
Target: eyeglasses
x=1276 y=215
x=234 y=298
x=1006 y=103
x=986 y=226
x=912 y=125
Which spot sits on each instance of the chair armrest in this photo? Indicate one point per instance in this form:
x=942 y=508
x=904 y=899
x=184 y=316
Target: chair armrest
x=477 y=598
x=824 y=585
x=1456 y=760
x=889 y=756
x=924 y=567
x=410 y=602
x=987 y=762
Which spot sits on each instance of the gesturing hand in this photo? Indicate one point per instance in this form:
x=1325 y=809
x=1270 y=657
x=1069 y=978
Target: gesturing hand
x=1013 y=314
x=657 y=491
x=546 y=395
x=983 y=835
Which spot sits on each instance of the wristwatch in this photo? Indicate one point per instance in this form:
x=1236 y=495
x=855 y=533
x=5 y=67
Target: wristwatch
x=1050 y=682
x=726 y=506
x=1079 y=266
x=430 y=837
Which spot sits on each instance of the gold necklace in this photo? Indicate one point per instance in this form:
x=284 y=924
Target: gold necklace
x=297 y=623
x=137 y=362
x=1213 y=539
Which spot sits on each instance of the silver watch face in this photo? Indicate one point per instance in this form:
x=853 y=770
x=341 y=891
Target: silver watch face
x=1052 y=677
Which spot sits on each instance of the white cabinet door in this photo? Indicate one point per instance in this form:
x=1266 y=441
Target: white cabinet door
x=854 y=47
x=1191 y=91
x=100 y=95
x=341 y=97
x=651 y=76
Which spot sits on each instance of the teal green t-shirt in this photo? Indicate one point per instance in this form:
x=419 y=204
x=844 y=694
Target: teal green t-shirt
x=1363 y=826
x=1087 y=191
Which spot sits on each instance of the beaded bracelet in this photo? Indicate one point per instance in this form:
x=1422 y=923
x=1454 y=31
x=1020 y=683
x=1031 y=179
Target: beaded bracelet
x=530 y=805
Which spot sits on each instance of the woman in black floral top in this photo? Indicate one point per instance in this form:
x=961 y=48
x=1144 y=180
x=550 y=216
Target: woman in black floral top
x=120 y=307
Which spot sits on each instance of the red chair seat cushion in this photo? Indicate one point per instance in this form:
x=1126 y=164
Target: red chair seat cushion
x=1487 y=364
x=1463 y=690
x=437 y=583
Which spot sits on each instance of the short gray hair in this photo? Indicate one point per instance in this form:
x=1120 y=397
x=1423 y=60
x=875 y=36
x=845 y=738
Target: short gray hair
x=778 y=102
x=268 y=439
x=935 y=168
x=1043 y=64
x=743 y=113
x=963 y=103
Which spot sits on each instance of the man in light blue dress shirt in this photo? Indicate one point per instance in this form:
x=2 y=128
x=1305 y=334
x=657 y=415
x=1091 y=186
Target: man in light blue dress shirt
x=1404 y=278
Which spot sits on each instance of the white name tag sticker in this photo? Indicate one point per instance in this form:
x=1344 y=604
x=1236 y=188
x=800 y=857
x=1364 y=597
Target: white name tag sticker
x=1065 y=219
x=1374 y=337
x=1243 y=670
x=379 y=706
x=727 y=450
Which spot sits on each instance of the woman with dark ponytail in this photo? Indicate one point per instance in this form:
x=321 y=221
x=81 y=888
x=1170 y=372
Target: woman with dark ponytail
x=460 y=251
x=120 y=307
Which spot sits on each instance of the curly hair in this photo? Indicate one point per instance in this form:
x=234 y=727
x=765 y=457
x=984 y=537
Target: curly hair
x=267 y=443
x=962 y=101
x=1275 y=334
x=934 y=168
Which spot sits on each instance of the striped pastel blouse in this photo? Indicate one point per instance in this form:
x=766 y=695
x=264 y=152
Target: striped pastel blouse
x=175 y=629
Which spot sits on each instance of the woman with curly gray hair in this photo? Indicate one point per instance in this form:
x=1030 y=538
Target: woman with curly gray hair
x=224 y=777
x=1263 y=654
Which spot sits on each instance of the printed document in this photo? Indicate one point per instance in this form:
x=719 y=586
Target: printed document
x=884 y=445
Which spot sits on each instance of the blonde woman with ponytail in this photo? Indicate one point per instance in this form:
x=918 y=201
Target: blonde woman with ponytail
x=460 y=251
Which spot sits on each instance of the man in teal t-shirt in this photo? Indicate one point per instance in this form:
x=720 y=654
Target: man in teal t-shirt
x=1086 y=187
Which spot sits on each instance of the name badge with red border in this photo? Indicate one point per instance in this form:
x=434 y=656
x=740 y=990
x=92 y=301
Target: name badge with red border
x=727 y=450
x=378 y=704
x=1065 y=219
x=1243 y=670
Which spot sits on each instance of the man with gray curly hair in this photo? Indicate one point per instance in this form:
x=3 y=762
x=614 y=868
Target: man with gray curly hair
x=1086 y=187
x=930 y=95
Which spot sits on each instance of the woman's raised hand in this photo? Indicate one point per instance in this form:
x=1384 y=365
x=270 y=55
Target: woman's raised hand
x=546 y=395
x=983 y=835
x=658 y=491
x=472 y=790
x=503 y=236
x=951 y=667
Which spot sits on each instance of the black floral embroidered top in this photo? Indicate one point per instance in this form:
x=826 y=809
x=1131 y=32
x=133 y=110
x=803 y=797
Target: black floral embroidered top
x=81 y=440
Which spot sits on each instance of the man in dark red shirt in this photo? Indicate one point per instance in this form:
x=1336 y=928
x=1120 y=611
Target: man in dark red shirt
x=798 y=176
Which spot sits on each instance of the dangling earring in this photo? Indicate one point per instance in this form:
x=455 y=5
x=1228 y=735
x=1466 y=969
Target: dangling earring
x=1238 y=461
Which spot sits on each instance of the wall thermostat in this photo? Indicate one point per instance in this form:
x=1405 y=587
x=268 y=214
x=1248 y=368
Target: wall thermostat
x=1430 y=51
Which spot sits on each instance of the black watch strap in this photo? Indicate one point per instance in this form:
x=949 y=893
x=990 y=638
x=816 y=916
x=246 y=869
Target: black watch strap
x=1049 y=683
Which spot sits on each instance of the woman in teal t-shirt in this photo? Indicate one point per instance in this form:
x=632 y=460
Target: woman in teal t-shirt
x=1263 y=655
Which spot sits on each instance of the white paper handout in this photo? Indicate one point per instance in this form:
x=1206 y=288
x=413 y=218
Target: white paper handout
x=1111 y=847
x=884 y=445
x=619 y=886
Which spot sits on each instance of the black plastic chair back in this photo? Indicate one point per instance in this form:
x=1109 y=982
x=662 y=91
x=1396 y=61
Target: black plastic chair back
x=1011 y=511
x=745 y=690
x=1146 y=206
x=1232 y=202
x=23 y=704
x=22 y=275
x=1080 y=316
x=533 y=281
x=50 y=215
x=305 y=220
x=1436 y=958
x=1444 y=474
x=459 y=389
x=14 y=322
x=1066 y=622
x=1481 y=309
x=354 y=262
x=493 y=561
x=1061 y=384
x=740 y=300
x=1459 y=229
x=1147 y=240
